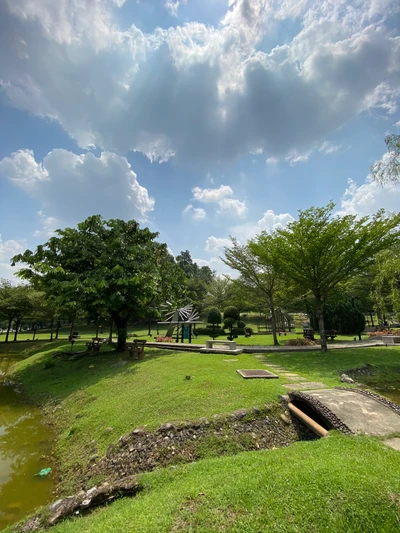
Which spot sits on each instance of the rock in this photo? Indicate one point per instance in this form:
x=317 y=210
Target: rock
x=285 y=419
x=346 y=379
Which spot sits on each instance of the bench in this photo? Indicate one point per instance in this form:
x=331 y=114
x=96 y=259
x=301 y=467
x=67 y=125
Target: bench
x=391 y=339
x=227 y=347
x=136 y=348
x=96 y=344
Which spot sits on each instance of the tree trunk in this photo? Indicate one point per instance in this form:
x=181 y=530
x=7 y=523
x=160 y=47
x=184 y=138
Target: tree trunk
x=17 y=323
x=71 y=330
x=111 y=331
x=34 y=334
x=57 y=329
x=122 y=330
x=273 y=322
x=321 y=324
x=8 y=329
x=97 y=330
x=51 y=328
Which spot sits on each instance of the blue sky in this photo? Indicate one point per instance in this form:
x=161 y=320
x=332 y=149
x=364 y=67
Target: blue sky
x=199 y=119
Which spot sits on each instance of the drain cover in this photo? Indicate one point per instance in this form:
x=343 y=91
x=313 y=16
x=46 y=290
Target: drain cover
x=256 y=374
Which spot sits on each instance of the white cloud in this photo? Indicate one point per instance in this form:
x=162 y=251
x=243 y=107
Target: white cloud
x=215 y=263
x=173 y=6
x=232 y=207
x=216 y=244
x=294 y=157
x=272 y=161
x=368 y=198
x=209 y=196
x=8 y=249
x=226 y=206
x=200 y=93
x=197 y=213
x=72 y=187
x=269 y=222
x=329 y=148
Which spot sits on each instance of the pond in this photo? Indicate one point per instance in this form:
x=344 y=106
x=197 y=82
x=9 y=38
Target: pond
x=25 y=447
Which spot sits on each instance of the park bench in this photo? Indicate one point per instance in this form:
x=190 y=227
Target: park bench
x=308 y=333
x=136 y=348
x=229 y=347
x=391 y=339
x=331 y=334
x=96 y=344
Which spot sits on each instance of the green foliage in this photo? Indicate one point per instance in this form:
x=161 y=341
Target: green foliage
x=231 y=312
x=341 y=314
x=386 y=282
x=105 y=266
x=387 y=170
x=197 y=279
x=320 y=250
x=210 y=331
x=214 y=316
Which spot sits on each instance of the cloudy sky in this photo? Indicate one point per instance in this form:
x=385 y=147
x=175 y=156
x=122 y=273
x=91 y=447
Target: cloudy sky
x=199 y=118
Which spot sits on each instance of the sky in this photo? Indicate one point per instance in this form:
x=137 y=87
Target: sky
x=201 y=119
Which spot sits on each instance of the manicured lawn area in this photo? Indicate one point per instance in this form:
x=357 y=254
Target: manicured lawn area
x=325 y=367
x=335 y=485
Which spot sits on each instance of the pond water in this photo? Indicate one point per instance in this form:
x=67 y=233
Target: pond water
x=25 y=446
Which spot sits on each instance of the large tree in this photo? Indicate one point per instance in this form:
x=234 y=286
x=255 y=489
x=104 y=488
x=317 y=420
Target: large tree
x=16 y=302
x=320 y=250
x=258 y=276
x=112 y=266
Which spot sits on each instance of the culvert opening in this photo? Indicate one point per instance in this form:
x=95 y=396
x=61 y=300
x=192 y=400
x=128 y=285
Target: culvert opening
x=312 y=413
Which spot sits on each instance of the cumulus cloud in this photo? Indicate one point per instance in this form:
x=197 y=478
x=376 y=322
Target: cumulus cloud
x=268 y=222
x=8 y=249
x=71 y=187
x=328 y=148
x=209 y=196
x=201 y=94
x=216 y=244
x=220 y=196
x=369 y=197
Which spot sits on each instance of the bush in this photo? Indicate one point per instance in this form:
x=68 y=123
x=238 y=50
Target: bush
x=341 y=314
x=160 y=338
x=232 y=312
x=228 y=322
x=241 y=324
x=209 y=331
x=238 y=331
x=299 y=342
x=214 y=316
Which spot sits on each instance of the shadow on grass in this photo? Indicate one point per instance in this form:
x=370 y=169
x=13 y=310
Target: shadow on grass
x=45 y=375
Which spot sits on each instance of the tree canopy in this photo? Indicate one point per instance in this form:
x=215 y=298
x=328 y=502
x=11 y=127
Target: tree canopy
x=112 y=266
x=320 y=250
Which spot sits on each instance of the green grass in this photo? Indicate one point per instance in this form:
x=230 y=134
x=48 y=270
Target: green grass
x=325 y=367
x=87 y=397
x=335 y=485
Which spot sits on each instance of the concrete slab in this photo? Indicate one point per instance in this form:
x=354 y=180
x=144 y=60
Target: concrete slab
x=290 y=375
x=294 y=378
x=360 y=413
x=393 y=443
x=221 y=350
x=307 y=385
x=251 y=374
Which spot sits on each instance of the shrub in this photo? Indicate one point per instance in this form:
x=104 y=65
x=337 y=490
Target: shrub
x=160 y=338
x=214 y=316
x=241 y=324
x=299 y=342
x=209 y=331
x=232 y=312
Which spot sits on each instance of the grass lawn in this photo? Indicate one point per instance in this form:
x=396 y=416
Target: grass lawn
x=335 y=485
x=95 y=399
x=339 y=484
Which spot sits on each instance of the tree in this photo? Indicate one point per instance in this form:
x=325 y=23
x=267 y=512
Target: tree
x=319 y=250
x=341 y=314
x=386 y=283
x=214 y=318
x=15 y=303
x=113 y=266
x=217 y=293
x=197 y=279
x=258 y=276
x=387 y=170
x=231 y=316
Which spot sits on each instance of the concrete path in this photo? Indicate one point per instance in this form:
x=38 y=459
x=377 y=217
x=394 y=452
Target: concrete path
x=360 y=413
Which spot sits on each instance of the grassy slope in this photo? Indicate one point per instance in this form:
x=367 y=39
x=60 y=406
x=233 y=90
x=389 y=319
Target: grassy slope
x=93 y=395
x=336 y=485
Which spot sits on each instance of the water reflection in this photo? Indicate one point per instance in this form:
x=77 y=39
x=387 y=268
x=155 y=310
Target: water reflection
x=24 y=451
